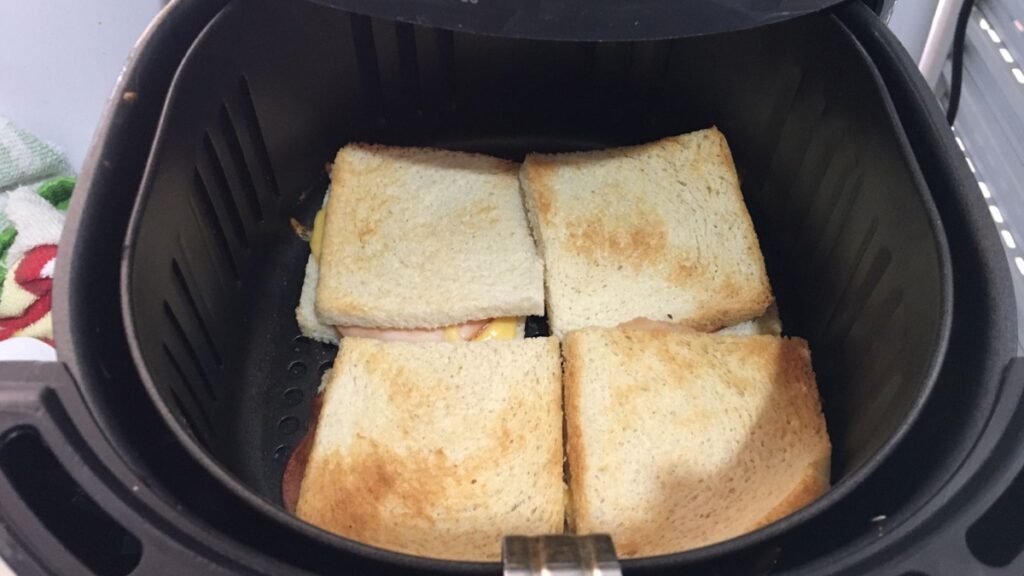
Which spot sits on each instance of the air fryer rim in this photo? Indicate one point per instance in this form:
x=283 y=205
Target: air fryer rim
x=746 y=541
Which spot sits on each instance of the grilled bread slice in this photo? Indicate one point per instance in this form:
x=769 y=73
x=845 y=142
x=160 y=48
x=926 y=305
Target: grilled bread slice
x=420 y=238
x=657 y=232
x=439 y=449
x=305 y=313
x=681 y=440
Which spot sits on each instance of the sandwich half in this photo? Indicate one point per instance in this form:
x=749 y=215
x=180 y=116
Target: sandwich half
x=422 y=245
x=681 y=440
x=656 y=234
x=438 y=449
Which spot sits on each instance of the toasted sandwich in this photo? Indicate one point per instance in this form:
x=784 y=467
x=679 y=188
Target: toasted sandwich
x=438 y=449
x=681 y=440
x=419 y=244
x=656 y=234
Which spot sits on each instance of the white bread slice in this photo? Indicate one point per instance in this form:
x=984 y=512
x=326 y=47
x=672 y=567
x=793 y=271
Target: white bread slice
x=680 y=440
x=423 y=238
x=439 y=449
x=305 y=313
x=657 y=231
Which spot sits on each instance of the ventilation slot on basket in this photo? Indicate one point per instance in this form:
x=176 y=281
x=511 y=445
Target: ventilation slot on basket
x=784 y=97
x=883 y=389
x=879 y=366
x=387 y=58
x=837 y=220
x=366 y=59
x=821 y=148
x=408 y=65
x=836 y=169
x=879 y=318
x=192 y=409
x=846 y=303
x=789 y=160
x=853 y=306
x=72 y=517
x=840 y=177
x=230 y=136
x=193 y=306
x=212 y=226
x=435 y=63
x=201 y=435
x=252 y=123
x=220 y=192
x=190 y=351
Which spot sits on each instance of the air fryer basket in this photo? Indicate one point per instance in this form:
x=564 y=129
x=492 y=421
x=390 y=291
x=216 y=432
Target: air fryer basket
x=213 y=268
x=192 y=386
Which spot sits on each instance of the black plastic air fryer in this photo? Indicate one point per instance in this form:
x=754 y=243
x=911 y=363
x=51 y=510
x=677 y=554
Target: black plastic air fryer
x=157 y=444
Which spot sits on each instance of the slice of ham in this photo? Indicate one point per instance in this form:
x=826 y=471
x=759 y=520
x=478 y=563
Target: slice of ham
x=650 y=325
x=767 y=323
x=295 y=469
x=466 y=331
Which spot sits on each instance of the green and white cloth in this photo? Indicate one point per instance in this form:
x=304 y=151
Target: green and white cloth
x=26 y=160
x=29 y=166
x=35 y=188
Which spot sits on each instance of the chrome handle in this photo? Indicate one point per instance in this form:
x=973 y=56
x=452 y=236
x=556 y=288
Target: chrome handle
x=560 y=555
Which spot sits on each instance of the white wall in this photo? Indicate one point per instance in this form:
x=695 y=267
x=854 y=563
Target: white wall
x=59 y=62
x=910 y=21
x=60 y=59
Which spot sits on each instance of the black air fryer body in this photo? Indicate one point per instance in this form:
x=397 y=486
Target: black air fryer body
x=157 y=445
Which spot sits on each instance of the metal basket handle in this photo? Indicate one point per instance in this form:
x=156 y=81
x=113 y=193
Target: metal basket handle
x=560 y=555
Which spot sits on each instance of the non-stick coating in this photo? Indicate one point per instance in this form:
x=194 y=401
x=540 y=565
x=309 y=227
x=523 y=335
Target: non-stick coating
x=582 y=20
x=272 y=89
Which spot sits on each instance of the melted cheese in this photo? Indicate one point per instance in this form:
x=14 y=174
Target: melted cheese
x=316 y=239
x=498 y=329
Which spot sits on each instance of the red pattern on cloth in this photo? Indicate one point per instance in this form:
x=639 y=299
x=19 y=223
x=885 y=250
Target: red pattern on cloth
x=28 y=275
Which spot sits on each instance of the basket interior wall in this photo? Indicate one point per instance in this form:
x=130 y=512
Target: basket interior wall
x=274 y=87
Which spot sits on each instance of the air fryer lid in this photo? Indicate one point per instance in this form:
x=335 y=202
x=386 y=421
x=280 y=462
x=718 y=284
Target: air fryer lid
x=586 y=19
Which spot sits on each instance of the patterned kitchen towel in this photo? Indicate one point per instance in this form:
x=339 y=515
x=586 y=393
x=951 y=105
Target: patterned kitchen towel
x=25 y=159
x=32 y=205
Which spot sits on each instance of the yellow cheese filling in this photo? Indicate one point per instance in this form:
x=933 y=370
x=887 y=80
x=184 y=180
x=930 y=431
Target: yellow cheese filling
x=316 y=239
x=496 y=329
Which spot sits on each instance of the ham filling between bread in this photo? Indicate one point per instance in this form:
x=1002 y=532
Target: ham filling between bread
x=652 y=325
x=767 y=323
x=473 y=331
